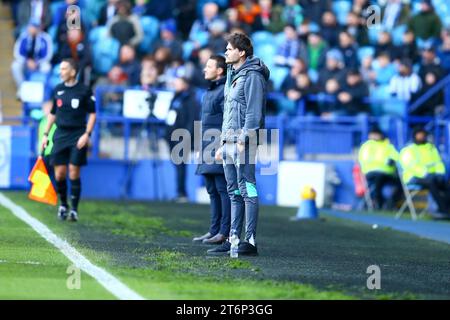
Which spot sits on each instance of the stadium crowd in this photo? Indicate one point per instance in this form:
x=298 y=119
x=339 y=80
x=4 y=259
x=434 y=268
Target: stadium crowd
x=340 y=52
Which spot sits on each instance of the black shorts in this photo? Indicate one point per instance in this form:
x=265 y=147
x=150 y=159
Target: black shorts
x=65 y=149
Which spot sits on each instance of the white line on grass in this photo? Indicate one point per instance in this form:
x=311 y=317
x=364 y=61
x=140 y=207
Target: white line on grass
x=112 y=284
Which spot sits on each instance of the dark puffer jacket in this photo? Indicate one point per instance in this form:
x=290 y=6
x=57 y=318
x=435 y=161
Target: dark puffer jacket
x=245 y=101
x=212 y=117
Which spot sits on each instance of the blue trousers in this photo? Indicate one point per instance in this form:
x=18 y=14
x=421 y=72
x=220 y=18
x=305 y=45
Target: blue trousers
x=216 y=186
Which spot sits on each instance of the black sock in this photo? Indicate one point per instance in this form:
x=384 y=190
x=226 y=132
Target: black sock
x=61 y=188
x=75 y=191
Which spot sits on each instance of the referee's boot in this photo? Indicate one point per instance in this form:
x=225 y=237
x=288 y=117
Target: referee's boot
x=73 y=216
x=62 y=213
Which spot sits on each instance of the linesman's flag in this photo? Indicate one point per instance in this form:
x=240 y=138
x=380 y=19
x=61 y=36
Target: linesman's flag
x=42 y=189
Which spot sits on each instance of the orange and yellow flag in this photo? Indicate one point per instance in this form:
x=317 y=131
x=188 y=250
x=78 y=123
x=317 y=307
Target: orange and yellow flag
x=42 y=189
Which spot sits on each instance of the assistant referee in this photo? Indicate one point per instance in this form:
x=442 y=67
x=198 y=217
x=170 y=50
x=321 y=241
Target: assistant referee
x=72 y=102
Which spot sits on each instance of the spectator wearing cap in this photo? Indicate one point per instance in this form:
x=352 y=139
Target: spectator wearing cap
x=352 y=94
x=33 y=51
x=125 y=26
x=430 y=63
x=348 y=48
x=426 y=25
x=330 y=29
x=334 y=68
x=407 y=49
x=314 y=54
x=168 y=39
x=405 y=83
x=289 y=49
x=184 y=110
x=37 y=11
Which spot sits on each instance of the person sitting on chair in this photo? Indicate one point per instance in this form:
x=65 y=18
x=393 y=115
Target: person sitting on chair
x=423 y=166
x=377 y=157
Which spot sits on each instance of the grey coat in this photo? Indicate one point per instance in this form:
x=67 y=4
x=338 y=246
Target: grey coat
x=245 y=101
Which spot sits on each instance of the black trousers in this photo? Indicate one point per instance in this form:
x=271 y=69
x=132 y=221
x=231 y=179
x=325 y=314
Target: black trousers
x=181 y=179
x=376 y=182
x=438 y=186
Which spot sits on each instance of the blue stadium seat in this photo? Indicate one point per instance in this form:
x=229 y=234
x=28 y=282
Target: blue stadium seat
x=262 y=37
x=279 y=39
x=364 y=52
x=150 y=26
x=105 y=54
x=54 y=8
x=54 y=78
x=373 y=34
x=266 y=53
x=97 y=33
x=341 y=8
x=277 y=75
x=397 y=34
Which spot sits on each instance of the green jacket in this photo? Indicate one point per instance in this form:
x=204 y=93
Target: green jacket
x=420 y=160
x=425 y=25
x=374 y=156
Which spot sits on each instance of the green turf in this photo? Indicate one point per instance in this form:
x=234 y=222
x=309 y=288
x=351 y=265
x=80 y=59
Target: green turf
x=31 y=268
x=148 y=246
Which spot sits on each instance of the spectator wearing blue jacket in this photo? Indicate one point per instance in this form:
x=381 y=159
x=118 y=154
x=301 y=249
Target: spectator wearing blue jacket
x=33 y=51
x=213 y=173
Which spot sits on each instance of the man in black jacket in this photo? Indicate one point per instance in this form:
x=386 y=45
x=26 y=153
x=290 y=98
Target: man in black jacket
x=216 y=185
x=184 y=110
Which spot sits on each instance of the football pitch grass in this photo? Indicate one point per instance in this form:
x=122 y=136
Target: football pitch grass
x=148 y=247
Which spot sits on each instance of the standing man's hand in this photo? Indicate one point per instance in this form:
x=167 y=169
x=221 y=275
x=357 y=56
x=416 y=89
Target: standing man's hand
x=83 y=141
x=240 y=147
x=44 y=144
x=218 y=155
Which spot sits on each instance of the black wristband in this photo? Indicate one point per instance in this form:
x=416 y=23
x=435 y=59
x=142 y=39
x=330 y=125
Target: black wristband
x=88 y=133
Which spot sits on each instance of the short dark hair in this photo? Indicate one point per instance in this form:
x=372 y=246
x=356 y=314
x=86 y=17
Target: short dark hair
x=241 y=42
x=220 y=62
x=73 y=64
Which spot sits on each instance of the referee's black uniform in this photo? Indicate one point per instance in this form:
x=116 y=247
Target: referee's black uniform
x=71 y=104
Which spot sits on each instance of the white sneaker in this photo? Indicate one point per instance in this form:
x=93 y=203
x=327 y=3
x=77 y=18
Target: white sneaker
x=73 y=216
x=62 y=213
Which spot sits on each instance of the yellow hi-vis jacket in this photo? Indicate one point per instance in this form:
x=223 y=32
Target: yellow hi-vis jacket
x=375 y=155
x=419 y=160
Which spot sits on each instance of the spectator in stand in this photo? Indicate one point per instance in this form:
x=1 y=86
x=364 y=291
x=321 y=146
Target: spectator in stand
x=314 y=54
x=199 y=30
x=426 y=25
x=270 y=17
x=367 y=71
x=76 y=46
x=112 y=101
x=348 y=48
x=198 y=80
x=357 y=29
x=216 y=40
x=330 y=29
x=443 y=51
x=384 y=44
x=37 y=11
x=33 y=51
x=163 y=10
x=61 y=11
x=129 y=64
x=234 y=23
x=328 y=105
x=405 y=83
x=140 y=8
x=430 y=63
x=289 y=49
x=299 y=66
x=292 y=13
x=248 y=11
x=314 y=9
x=302 y=88
x=435 y=104
x=393 y=14
x=107 y=12
x=360 y=8
x=352 y=94
x=150 y=77
x=334 y=68
x=125 y=27
x=383 y=69
x=169 y=40
x=407 y=49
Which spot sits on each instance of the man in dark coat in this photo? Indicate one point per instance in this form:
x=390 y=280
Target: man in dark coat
x=216 y=185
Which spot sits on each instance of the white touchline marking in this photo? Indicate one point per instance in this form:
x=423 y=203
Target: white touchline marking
x=111 y=283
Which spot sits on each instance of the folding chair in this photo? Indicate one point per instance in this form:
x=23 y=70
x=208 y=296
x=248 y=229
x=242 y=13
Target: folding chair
x=410 y=191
